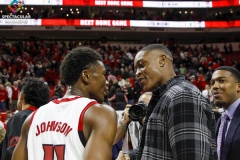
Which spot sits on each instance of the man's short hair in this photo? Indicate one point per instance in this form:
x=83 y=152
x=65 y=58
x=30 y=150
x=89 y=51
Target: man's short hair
x=75 y=62
x=35 y=91
x=159 y=47
x=232 y=70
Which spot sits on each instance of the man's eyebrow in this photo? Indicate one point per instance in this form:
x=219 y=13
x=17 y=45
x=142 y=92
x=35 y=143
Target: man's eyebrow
x=219 y=77
x=139 y=60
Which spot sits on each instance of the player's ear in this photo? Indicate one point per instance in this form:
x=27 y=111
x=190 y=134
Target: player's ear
x=85 y=76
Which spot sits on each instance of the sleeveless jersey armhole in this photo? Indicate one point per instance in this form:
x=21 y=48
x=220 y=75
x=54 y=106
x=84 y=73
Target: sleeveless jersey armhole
x=32 y=118
x=80 y=123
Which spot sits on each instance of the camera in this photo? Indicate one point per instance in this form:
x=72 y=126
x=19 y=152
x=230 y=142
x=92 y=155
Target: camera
x=138 y=111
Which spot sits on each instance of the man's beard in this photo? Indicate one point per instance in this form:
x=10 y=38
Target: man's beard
x=219 y=104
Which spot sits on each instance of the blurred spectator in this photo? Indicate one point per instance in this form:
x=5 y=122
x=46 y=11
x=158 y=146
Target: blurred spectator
x=111 y=93
x=130 y=71
x=8 y=87
x=2 y=64
x=15 y=77
x=120 y=99
x=39 y=69
x=3 y=98
x=129 y=54
x=30 y=67
x=208 y=94
x=215 y=65
x=55 y=96
x=117 y=72
x=7 y=117
x=182 y=69
x=121 y=81
x=28 y=74
x=216 y=49
x=124 y=71
x=42 y=79
x=225 y=47
x=9 y=113
x=15 y=93
x=209 y=73
x=4 y=76
x=2 y=135
x=137 y=89
x=115 y=83
x=24 y=67
x=50 y=77
x=202 y=83
x=193 y=80
x=111 y=77
x=129 y=93
x=176 y=69
x=59 y=89
x=1 y=121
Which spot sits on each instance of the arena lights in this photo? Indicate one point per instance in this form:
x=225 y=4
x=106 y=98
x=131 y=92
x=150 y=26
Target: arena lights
x=134 y=3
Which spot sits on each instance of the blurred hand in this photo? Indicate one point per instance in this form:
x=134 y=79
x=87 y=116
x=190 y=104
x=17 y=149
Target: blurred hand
x=122 y=156
x=125 y=118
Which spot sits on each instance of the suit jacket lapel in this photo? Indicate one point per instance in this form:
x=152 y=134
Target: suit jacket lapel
x=231 y=131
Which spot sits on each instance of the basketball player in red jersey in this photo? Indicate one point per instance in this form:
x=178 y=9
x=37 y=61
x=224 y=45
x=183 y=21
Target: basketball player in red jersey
x=76 y=126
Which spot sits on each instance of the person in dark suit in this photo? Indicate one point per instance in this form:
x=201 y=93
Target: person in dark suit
x=225 y=87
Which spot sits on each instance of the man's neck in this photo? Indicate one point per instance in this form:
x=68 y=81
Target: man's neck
x=25 y=106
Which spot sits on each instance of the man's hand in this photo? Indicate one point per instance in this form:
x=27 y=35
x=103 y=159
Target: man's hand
x=122 y=125
x=122 y=156
x=125 y=118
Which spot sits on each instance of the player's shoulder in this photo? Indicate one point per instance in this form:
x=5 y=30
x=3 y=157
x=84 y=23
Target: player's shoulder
x=101 y=110
x=102 y=107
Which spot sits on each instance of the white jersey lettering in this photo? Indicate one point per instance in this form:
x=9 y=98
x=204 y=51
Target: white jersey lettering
x=51 y=126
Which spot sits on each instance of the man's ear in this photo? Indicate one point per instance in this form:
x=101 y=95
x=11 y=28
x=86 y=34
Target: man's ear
x=85 y=76
x=238 y=87
x=20 y=101
x=162 y=60
x=21 y=97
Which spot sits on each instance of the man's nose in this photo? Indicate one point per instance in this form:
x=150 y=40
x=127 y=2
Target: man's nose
x=138 y=72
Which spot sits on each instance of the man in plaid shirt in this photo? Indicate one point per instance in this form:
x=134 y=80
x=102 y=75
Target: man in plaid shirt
x=179 y=122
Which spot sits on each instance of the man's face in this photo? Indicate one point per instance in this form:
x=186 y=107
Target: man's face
x=15 y=84
x=148 y=70
x=224 y=88
x=98 y=83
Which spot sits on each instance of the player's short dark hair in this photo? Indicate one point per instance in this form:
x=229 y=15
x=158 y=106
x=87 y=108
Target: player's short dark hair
x=75 y=62
x=35 y=91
